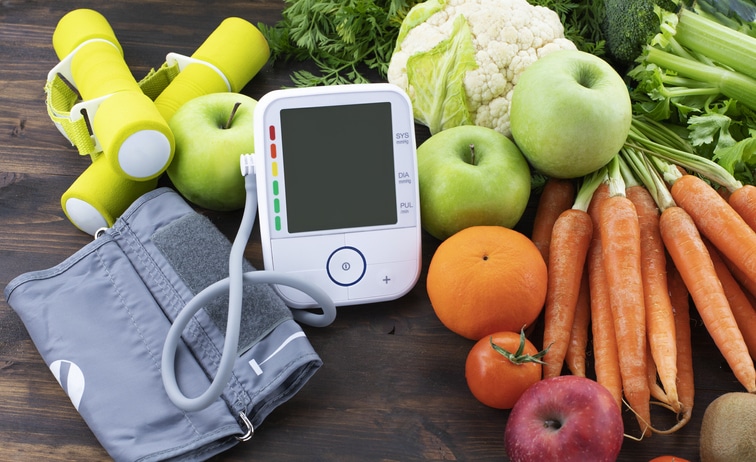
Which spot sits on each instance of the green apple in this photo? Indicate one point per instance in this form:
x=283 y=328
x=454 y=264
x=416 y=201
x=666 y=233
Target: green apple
x=470 y=175
x=570 y=113
x=209 y=143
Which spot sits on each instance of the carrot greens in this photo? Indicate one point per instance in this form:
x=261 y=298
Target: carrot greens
x=659 y=140
x=344 y=38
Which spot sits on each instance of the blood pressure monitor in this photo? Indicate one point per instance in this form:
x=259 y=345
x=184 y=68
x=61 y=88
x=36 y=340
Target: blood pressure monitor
x=337 y=191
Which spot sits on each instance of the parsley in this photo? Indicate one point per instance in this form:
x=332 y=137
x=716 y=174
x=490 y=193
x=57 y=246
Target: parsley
x=344 y=38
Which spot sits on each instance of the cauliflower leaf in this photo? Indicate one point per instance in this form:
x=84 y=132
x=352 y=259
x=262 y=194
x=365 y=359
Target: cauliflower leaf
x=437 y=78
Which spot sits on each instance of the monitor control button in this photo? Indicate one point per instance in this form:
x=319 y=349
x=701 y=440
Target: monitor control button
x=346 y=266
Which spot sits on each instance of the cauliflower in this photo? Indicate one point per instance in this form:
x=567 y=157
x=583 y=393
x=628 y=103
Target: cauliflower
x=459 y=60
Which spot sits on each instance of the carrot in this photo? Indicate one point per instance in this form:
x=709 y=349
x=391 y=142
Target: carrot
x=575 y=356
x=743 y=200
x=600 y=195
x=657 y=138
x=687 y=250
x=742 y=309
x=660 y=323
x=570 y=239
x=657 y=391
x=620 y=243
x=557 y=196
x=750 y=296
x=567 y=251
x=718 y=221
x=748 y=283
x=686 y=389
x=605 y=358
x=676 y=292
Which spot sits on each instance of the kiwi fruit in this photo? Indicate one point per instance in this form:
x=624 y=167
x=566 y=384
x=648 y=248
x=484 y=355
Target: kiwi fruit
x=728 y=430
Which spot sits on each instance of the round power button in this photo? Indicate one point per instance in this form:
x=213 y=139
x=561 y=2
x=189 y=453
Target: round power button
x=346 y=266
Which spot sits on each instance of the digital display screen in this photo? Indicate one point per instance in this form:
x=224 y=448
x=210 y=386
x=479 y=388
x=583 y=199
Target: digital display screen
x=338 y=166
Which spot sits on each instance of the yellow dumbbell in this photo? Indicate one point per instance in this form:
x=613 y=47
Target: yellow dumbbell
x=132 y=134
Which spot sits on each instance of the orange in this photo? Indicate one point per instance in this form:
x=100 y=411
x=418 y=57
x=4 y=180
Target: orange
x=487 y=279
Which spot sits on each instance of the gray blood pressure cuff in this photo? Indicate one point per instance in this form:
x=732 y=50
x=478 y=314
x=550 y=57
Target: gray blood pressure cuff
x=100 y=319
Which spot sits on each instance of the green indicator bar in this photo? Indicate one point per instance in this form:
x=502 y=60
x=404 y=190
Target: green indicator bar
x=275 y=188
x=278 y=223
x=276 y=206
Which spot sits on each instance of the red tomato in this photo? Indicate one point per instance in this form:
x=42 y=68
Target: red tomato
x=500 y=367
x=668 y=459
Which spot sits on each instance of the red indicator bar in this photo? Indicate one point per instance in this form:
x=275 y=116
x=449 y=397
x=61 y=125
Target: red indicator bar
x=272 y=132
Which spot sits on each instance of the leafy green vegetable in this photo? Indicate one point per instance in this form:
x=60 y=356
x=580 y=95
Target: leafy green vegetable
x=344 y=38
x=717 y=129
x=700 y=73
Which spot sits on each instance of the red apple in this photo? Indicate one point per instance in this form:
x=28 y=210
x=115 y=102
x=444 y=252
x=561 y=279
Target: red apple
x=566 y=418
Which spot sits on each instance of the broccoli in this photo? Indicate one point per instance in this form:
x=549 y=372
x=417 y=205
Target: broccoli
x=628 y=25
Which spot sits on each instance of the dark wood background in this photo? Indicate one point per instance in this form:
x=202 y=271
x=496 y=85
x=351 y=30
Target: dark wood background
x=392 y=387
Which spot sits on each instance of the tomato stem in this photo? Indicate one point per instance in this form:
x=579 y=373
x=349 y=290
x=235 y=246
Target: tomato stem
x=518 y=357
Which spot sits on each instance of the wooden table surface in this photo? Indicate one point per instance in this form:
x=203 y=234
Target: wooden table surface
x=392 y=386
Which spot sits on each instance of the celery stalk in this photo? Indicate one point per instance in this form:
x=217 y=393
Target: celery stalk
x=724 y=45
x=732 y=84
